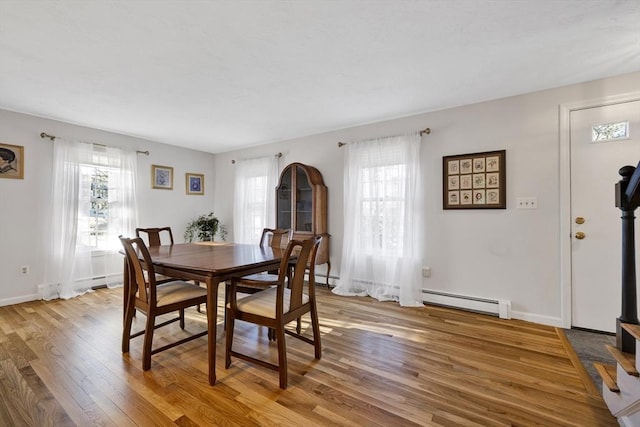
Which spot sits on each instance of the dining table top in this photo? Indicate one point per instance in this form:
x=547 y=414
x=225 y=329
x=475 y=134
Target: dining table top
x=215 y=259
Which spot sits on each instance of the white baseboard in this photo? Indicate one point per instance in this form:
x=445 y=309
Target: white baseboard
x=538 y=318
x=18 y=300
x=499 y=307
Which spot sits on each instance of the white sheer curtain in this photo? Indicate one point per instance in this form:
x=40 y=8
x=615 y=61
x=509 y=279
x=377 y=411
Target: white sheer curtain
x=93 y=202
x=254 y=198
x=381 y=254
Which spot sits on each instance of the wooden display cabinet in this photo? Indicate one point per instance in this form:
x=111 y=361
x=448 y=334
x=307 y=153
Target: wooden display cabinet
x=301 y=206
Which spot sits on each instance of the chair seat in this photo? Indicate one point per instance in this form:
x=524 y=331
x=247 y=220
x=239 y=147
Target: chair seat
x=260 y=279
x=263 y=303
x=176 y=291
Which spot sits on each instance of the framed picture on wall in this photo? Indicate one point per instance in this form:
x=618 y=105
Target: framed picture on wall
x=475 y=181
x=195 y=183
x=11 y=161
x=162 y=177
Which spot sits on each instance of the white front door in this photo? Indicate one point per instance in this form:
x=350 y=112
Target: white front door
x=596 y=254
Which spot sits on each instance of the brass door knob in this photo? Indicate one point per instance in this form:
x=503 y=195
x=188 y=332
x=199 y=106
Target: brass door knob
x=580 y=235
x=579 y=220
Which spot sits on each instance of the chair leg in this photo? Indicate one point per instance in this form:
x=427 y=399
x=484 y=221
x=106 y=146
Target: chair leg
x=229 y=332
x=195 y=282
x=182 y=318
x=298 y=325
x=227 y=289
x=282 y=356
x=148 y=339
x=316 y=331
x=126 y=328
x=271 y=334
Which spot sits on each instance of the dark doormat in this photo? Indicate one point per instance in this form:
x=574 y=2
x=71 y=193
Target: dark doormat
x=590 y=347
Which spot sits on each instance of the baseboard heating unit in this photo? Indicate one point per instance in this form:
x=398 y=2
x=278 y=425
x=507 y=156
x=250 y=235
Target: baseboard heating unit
x=501 y=308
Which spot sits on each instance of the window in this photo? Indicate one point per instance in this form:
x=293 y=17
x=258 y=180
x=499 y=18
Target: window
x=95 y=232
x=254 y=198
x=610 y=132
x=256 y=205
x=94 y=201
x=382 y=208
x=382 y=231
x=99 y=179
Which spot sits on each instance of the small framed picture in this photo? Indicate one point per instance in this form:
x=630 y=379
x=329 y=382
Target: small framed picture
x=454 y=197
x=493 y=164
x=454 y=167
x=162 y=177
x=478 y=197
x=478 y=182
x=493 y=180
x=478 y=164
x=465 y=165
x=465 y=182
x=454 y=182
x=466 y=197
x=493 y=197
x=11 y=161
x=195 y=183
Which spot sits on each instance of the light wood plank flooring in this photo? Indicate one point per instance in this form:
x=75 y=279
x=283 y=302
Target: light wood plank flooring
x=382 y=365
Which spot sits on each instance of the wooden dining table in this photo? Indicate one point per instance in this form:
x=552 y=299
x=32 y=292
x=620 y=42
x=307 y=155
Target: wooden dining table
x=211 y=264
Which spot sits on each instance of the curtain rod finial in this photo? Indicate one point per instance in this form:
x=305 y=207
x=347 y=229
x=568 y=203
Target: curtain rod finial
x=46 y=135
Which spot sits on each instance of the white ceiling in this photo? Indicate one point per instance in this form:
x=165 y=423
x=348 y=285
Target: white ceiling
x=221 y=75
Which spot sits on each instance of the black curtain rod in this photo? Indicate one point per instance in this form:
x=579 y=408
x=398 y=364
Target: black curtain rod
x=425 y=131
x=44 y=135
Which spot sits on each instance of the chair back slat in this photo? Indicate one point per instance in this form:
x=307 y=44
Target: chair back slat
x=305 y=251
x=275 y=238
x=154 y=235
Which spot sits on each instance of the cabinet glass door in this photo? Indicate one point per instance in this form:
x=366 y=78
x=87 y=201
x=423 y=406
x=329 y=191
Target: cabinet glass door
x=304 y=202
x=284 y=201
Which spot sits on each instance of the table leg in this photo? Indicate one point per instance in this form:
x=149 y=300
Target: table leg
x=212 y=323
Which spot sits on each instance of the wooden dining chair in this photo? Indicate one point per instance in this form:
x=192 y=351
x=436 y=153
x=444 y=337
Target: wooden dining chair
x=154 y=237
x=275 y=307
x=274 y=238
x=250 y=284
x=154 y=299
x=157 y=236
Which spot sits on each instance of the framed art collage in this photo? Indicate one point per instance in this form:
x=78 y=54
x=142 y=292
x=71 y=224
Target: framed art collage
x=474 y=181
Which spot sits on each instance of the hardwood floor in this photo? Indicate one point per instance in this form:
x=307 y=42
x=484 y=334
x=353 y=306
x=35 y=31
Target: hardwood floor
x=382 y=365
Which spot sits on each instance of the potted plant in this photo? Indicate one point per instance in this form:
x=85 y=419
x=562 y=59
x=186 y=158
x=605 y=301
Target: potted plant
x=205 y=228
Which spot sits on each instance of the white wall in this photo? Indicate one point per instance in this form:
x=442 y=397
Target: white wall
x=24 y=204
x=507 y=254
x=499 y=254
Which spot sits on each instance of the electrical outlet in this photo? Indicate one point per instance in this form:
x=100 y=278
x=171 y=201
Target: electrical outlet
x=527 y=203
x=24 y=270
x=426 y=271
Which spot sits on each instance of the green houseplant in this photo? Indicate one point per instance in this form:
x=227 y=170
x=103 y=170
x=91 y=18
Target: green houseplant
x=205 y=228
